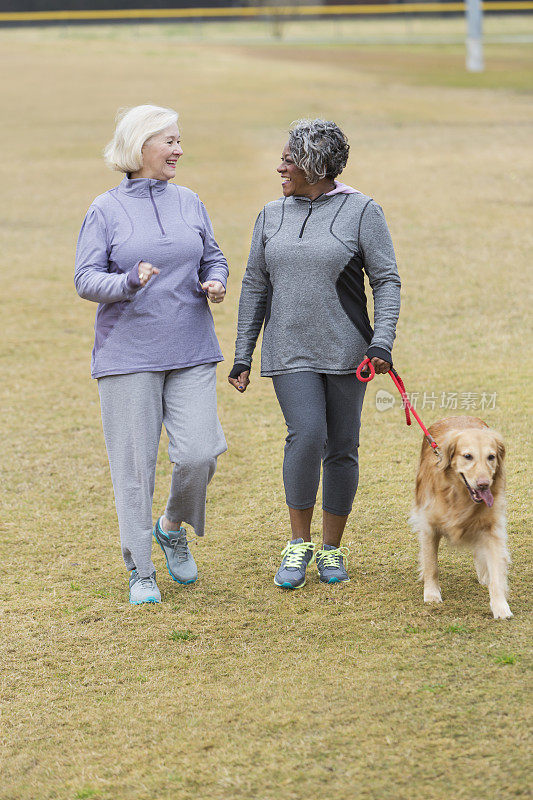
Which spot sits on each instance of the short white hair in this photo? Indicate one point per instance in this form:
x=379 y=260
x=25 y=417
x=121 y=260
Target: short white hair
x=134 y=127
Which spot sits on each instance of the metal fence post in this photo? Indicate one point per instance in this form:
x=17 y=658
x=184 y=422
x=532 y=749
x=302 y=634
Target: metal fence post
x=474 y=36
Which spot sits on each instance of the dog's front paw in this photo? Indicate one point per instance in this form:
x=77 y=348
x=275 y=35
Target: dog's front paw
x=501 y=610
x=432 y=594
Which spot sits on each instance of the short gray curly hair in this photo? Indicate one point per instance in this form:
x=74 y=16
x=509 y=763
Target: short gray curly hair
x=319 y=147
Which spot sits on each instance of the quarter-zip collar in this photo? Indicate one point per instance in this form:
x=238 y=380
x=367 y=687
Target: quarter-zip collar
x=317 y=201
x=142 y=187
x=322 y=198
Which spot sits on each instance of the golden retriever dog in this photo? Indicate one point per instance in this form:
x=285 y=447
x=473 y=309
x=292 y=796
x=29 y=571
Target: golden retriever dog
x=461 y=496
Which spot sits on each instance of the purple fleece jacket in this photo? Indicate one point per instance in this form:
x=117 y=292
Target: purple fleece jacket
x=167 y=324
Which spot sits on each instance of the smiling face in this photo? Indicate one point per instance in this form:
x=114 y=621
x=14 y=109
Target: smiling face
x=160 y=155
x=293 y=180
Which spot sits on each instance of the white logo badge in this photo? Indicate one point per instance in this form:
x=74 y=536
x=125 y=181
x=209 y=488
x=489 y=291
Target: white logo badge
x=384 y=400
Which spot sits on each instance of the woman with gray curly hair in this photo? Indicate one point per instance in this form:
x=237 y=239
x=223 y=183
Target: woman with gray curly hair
x=305 y=281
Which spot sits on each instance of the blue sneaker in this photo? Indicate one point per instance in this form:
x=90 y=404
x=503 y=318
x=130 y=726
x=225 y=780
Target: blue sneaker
x=180 y=562
x=330 y=563
x=143 y=590
x=296 y=556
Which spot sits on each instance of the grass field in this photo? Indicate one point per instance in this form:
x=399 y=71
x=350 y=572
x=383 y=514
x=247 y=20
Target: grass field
x=231 y=690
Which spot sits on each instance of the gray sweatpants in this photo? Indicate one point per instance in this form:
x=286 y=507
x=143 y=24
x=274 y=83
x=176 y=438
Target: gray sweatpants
x=323 y=417
x=134 y=408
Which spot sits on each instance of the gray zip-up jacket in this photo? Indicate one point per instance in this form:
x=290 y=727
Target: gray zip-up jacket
x=304 y=280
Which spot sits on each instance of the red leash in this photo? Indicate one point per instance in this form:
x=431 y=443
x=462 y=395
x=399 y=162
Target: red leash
x=366 y=364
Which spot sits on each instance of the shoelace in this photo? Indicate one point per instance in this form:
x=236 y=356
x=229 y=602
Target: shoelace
x=296 y=554
x=331 y=558
x=147 y=583
x=180 y=545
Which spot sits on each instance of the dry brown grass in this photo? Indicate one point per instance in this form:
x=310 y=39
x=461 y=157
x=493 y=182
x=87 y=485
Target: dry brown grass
x=358 y=691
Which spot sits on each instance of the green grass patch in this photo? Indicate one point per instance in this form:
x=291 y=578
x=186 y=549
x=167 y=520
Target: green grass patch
x=182 y=636
x=434 y=688
x=505 y=658
x=457 y=627
x=412 y=629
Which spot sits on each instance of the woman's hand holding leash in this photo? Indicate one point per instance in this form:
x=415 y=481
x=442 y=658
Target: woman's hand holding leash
x=381 y=367
x=370 y=367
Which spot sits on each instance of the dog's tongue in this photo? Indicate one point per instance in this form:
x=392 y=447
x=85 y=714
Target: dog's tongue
x=486 y=496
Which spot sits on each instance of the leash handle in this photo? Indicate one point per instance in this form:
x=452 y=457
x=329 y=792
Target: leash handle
x=365 y=364
x=408 y=408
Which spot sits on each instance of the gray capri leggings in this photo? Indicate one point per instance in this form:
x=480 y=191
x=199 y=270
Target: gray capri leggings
x=323 y=417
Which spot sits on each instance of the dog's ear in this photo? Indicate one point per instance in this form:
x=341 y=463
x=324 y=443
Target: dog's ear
x=447 y=447
x=500 y=447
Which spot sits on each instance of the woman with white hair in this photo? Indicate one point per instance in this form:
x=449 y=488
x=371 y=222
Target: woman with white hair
x=305 y=281
x=147 y=255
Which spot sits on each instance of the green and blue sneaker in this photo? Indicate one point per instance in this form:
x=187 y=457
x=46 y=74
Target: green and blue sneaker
x=143 y=590
x=180 y=562
x=296 y=556
x=330 y=563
